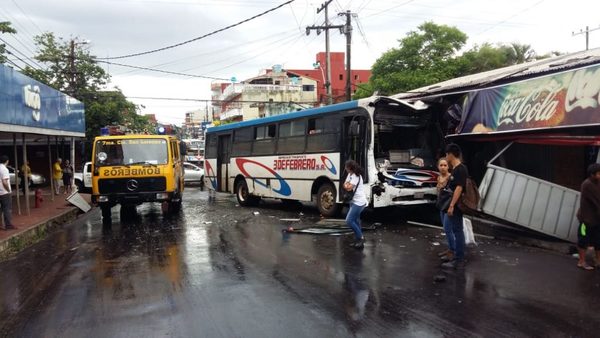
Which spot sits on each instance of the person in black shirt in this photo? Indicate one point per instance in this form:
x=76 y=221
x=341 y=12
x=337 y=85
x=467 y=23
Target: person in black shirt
x=454 y=216
x=588 y=234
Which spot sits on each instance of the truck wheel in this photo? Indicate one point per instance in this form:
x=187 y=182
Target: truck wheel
x=79 y=185
x=202 y=183
x=174 y=207
x=106 y=216
x=326 y=196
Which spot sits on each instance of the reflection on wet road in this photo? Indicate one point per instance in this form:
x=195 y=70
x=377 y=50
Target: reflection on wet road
x=218 y=270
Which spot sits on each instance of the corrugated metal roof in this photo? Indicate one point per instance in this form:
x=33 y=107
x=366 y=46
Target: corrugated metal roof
x=506 y=74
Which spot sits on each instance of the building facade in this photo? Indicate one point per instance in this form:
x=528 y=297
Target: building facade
x=275 y=91
x=338 y=76
x=278 y=91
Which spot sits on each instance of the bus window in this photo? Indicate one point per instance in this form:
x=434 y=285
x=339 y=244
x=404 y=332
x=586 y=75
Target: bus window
x=211 y=146
x=323 y=134
x=291 y=137
x=265 y=132
x=264 y=143
x=242 y=142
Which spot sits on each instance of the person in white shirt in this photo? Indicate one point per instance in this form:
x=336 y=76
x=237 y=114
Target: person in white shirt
x=5 y=193
x=354 y=182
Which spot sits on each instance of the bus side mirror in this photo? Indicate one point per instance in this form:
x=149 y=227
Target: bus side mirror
x=354 y=129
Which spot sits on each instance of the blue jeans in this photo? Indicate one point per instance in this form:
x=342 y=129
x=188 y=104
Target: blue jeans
x=455 y=222
x=448 y=231
x=353 y=219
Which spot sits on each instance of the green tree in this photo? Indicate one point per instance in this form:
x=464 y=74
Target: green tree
x=424 y=56
x=520 y=53
x=5 y=28
x=69 y=66
x=431 y=54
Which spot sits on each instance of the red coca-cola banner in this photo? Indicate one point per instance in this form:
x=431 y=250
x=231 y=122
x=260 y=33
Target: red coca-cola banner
x=565 y=99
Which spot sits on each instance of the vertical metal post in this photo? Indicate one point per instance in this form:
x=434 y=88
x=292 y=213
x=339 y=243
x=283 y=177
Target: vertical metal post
x=51 y=171
x=348 y=31
x=328 y=57
x=587 y=37
x=16 y=173
x=25 y=176
x=72 y=159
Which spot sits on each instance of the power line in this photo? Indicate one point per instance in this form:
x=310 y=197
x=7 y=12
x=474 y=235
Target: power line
x=212 y=52
x=23 y=54
x=162 y=71
x=27 y=16
x=200 y=37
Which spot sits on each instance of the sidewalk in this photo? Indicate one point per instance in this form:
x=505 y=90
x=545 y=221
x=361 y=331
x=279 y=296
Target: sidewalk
x=34 y=227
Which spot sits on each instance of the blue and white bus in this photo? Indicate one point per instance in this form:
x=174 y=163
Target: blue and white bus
x=301 y=155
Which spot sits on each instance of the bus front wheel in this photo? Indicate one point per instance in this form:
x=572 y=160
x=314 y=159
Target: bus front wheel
x=326 y=203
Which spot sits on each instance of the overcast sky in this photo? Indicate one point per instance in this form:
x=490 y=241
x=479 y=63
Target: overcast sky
x=120 y=27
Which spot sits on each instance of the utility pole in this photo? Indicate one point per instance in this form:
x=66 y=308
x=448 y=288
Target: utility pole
x=348 y=33
x=587 y=35
x=72 y=67
x=326 y=28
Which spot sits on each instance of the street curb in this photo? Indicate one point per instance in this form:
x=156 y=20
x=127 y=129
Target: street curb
x=19 y=241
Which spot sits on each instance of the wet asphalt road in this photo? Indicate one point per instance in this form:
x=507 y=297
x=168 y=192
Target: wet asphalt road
x=218 y=270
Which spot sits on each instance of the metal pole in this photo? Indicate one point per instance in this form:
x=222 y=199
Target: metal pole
x=348 y=51
x=587 y=37
x=51 y=171
x=16 y=173
x=72 y=159
x=328 y=57
x=25 y=176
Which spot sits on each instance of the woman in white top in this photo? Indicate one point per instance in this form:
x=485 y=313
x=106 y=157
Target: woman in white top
x=359 y=201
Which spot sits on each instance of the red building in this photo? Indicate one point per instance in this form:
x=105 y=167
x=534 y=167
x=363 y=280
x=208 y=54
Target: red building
x=338 y=76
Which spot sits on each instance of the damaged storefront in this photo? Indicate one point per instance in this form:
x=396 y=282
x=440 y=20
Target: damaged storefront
x=528 y=133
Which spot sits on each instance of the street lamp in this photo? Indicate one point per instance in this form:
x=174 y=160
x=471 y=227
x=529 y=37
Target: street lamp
x=326 y=84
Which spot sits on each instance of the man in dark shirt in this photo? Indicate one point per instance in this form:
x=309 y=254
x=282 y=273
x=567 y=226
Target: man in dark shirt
x=588 y=234
x=454 y=216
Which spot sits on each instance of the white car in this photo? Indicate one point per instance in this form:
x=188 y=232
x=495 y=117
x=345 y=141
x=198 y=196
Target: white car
x=193 y=173
x=36 y=179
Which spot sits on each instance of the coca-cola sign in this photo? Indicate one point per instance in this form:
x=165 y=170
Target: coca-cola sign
x=561 y=100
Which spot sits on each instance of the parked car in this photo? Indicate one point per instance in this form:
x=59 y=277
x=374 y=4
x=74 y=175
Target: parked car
x=83 y=180
x=36 y=179
x=193 y=174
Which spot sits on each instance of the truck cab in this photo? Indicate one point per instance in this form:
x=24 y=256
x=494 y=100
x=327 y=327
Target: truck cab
x=134 y=169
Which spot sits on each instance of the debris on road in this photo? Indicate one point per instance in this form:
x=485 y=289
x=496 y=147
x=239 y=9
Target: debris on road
x=256 y=213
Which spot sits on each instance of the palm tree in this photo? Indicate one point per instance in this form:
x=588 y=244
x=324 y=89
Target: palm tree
x=520 y=53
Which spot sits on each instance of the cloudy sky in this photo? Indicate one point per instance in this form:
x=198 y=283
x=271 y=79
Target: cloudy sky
x=121 y=27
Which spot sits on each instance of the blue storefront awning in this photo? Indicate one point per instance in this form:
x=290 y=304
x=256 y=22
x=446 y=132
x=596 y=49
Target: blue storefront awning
x=29 y=106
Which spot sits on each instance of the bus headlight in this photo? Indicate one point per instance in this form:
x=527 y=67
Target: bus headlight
x=103 y=199
x=162 y=196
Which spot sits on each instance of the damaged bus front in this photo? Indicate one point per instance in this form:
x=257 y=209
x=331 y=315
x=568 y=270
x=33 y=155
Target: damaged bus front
x=407 y=139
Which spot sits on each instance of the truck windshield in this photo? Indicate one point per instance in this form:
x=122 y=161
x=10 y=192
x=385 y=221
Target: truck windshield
x=131 y=151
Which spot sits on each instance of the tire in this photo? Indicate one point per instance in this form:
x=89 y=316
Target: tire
x=79 y=185
x=202 y=183
x=244 y=197
x=326 y=201
x=174 y=207
x=106 y=216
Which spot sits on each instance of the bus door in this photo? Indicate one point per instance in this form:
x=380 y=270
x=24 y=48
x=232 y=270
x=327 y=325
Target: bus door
x=223 y=160
x=354 y=143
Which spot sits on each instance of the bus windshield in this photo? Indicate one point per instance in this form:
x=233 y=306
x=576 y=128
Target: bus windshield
x=131 y=151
